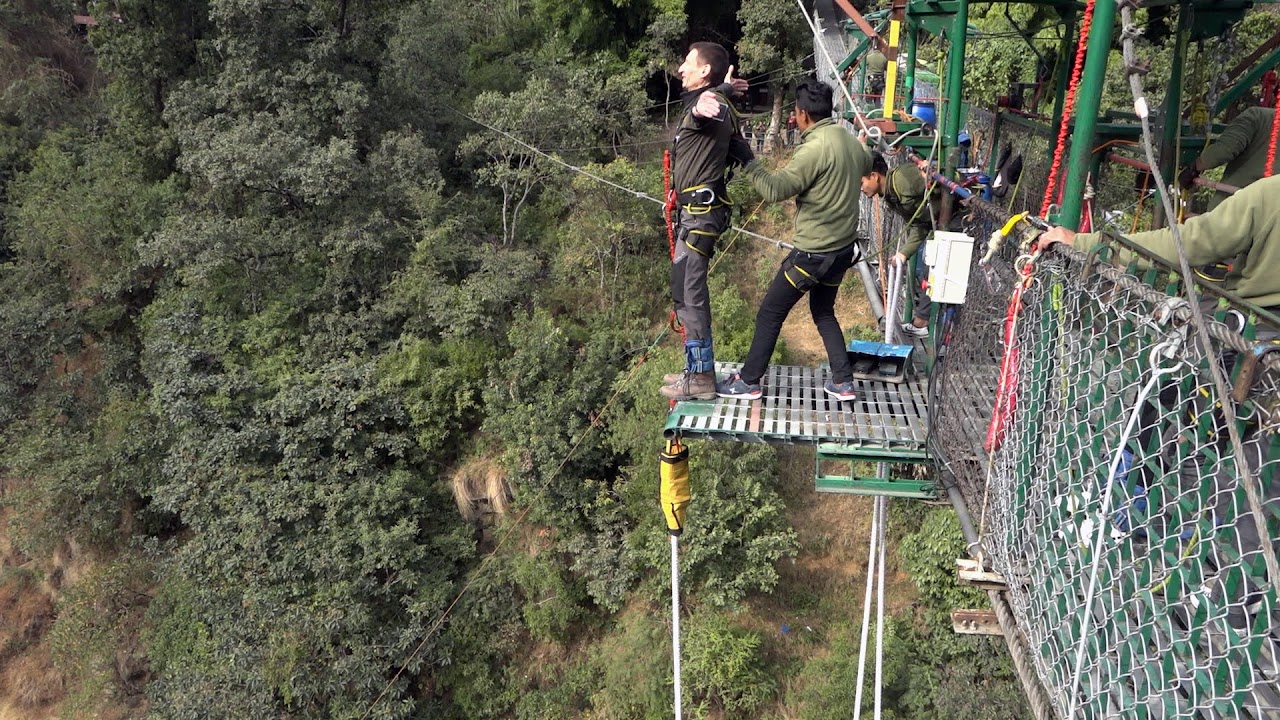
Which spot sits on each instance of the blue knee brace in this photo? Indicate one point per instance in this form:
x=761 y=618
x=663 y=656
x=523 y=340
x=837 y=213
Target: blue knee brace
x=698 y=356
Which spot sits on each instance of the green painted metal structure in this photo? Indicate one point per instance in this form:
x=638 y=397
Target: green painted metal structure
x=948 y=19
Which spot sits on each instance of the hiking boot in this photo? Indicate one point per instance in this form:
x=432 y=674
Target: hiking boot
x=735 y=387
x=910 y=330
x=673 y=378
x=691 y=386
x=840 y=391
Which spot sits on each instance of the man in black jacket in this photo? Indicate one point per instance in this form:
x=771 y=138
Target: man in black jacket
x=699 y=153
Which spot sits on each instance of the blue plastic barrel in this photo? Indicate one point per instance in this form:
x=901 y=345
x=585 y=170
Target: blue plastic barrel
x=926 y=111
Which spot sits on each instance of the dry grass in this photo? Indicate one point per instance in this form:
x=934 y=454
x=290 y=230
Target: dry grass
x=27 y=612
x=479 y=486
x=32 y=682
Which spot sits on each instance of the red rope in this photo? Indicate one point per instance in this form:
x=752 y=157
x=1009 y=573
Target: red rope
x=1068 y=106
x=670 y=205
x=1271 y=150
x=669 y=209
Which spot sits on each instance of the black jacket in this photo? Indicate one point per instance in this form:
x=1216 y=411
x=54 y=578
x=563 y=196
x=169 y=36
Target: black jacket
x=701 y=145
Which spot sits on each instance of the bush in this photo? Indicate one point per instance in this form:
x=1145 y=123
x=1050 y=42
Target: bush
x=723 y=665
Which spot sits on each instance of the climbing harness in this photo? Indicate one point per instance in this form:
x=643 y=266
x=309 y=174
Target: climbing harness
x=701 y=199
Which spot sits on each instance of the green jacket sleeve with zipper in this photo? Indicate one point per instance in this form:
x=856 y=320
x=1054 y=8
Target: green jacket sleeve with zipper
x=908 y=200
x=1245 y=226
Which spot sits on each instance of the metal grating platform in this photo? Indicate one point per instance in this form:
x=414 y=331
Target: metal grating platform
x=886 y=417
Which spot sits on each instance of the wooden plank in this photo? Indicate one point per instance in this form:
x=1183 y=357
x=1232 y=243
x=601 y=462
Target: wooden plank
x=971 y=573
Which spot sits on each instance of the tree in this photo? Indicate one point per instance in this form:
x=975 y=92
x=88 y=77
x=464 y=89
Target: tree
x=774 y=40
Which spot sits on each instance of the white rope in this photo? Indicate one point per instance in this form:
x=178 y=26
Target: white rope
x=866 y=611
x=675 y=616
x=1166 y=348
x=882 y=504
x=891 y=307
x=816 y=35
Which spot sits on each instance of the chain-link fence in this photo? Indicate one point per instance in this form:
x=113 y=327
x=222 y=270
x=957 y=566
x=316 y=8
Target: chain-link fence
x=1110 y=499
x=1107 y=493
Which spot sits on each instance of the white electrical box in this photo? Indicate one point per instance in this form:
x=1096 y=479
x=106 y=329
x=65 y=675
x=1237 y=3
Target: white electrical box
x=948 y=255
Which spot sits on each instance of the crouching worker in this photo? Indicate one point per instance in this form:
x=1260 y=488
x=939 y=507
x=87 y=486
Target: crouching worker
x=903 y=190
x=825 y=176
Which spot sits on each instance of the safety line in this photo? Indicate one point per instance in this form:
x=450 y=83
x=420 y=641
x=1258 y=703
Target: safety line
x=857 y=115
x=634 y=193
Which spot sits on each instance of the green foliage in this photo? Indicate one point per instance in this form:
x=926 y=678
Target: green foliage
x=89 y=483
x=553 y=602
x=736 y=527
x=440 y=384
x=941 y=666
x=635 y=670
x=723 y=665
x=566 y=694
x=262 y=289
x=94 y=640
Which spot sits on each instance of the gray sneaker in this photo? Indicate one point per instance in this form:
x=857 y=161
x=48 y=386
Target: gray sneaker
x=910 y=330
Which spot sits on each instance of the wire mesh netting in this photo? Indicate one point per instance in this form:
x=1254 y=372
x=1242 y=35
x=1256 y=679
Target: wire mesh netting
x=1112 y=502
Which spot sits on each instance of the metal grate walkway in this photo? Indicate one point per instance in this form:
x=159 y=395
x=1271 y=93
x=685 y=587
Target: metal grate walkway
x=795 y=410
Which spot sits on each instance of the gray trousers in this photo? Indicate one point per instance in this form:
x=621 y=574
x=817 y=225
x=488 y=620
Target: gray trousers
x=696 y=237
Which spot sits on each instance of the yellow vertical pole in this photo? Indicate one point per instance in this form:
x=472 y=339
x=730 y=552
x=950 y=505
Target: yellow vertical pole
x=891 y=73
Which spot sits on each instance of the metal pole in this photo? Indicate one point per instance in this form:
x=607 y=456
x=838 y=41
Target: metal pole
x=675 y=615
x=1169 y=154
x=955 y=84
x=1064 y=73
x=909 y=82
x=1088 y=99
x=871 y=288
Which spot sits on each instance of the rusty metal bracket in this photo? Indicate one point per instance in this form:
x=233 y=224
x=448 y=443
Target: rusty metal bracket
x=1249 y=369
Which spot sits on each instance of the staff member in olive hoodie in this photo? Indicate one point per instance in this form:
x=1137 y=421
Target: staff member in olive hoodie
x=825 y=176
x=1246 y=224
x=1242 y=147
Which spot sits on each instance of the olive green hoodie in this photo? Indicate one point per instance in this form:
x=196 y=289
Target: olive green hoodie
x=1242 y=147
x=825 y=175
x=1245 y=225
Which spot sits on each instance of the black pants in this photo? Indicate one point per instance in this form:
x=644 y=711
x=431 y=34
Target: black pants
x=819 y=276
